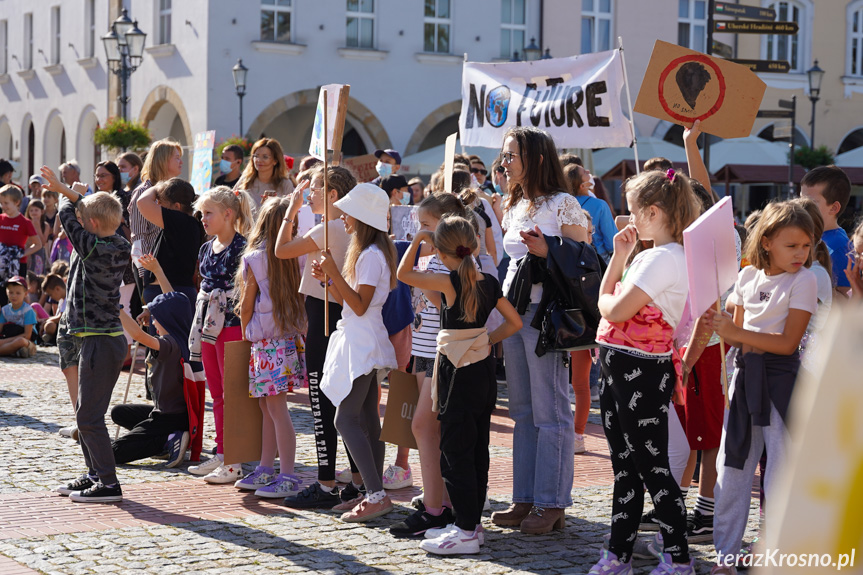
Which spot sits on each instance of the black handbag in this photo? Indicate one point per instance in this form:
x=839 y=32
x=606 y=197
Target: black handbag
x=565 y=329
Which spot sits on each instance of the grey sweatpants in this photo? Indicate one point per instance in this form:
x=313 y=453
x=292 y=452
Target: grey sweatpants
x=358 y=420
x=98 y=369
x=733 y=491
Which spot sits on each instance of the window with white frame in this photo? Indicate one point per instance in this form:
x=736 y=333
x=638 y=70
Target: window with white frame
x=854 y=64
x=276 y=20
x=164 y=22
x=595 y=26
x=55 y=35
x=360 y=23
x=4 y=48
x=90 y=30
x=436 y=26
x=692 y=24
x=786 y=47
x=28 y=41
x=513 y=27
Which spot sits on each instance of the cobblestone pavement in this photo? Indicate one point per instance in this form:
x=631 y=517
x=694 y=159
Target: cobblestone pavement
x=171 y=522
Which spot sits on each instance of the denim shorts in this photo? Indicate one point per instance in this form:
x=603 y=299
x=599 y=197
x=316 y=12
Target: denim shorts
x=69 y=347
x=424 y=364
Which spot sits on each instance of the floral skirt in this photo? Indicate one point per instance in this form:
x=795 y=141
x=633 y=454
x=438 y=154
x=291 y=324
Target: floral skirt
x=277 y=365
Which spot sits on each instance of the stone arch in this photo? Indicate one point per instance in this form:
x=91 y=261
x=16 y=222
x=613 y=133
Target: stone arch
x=851 y=141
x=153 y=104
x=85 y=150
x=369 y=128
x=53 y=142
x=766 y=133
x=433 y=120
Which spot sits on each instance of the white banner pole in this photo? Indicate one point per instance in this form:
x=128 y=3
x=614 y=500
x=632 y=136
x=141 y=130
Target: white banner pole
x=629 y=102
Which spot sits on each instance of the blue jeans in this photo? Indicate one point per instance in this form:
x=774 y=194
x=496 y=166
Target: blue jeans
x=543 y=444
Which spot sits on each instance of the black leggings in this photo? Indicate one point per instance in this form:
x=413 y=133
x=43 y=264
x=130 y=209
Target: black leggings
x=323 y=410
x=635 y=391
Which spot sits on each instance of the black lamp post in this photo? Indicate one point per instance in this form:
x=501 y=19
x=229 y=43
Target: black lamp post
x=124 y=47
x=240 y=72
x=815 y=75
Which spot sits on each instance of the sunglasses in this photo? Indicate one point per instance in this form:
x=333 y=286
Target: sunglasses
x=478 y=171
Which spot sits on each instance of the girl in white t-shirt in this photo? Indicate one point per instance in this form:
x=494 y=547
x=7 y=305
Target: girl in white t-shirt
x=641 y=306
x=360 y=350
x=774 y=299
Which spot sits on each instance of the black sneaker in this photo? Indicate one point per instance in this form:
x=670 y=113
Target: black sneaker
x=313 y=497
x=349 y=492
x=80 y=484
x=649 y=522
x=98 y=493
x=421 y=521
x=699 y=528
x=177 y=444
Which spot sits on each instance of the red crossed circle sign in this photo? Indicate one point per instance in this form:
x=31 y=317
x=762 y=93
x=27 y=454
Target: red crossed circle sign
x=673 y=66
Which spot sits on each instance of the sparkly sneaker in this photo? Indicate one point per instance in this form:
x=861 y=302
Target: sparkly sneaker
x=82 y=483
x=283 y=485
x=225 y=473
x=666 y=567
x=435 y=533
x=452 y=542
x=609 y=564
x=344 y=476
x=396 y=477
x=258 y=478
x=418 y=524
x=313 y=497
x=206 y=467
x=98 y=493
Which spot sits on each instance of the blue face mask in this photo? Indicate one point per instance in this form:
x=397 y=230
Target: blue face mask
x=383 y=169
x=124 y=178
x=497 y=190
x=406 y=198
x=225 y=167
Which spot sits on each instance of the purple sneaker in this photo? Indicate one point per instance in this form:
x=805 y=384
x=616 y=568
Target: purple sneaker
x=283 y=485
x=256 y=479
x=609 y=564
x=667 y=567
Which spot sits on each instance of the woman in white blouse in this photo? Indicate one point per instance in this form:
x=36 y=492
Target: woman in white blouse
x=543 y=440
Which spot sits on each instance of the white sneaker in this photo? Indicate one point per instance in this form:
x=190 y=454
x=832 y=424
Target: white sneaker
x=397 y=478
x=344 y=476
x=579 y=443
x=453 y=542
x=225 y=473
x=206 y=467
x=67 y=431
x=439 y=531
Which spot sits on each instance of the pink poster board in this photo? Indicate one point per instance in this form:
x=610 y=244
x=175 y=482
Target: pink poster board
x=711 y=256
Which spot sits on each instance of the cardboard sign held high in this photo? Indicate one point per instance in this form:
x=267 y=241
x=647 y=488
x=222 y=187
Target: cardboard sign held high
x=337 y=109
x=682 y=86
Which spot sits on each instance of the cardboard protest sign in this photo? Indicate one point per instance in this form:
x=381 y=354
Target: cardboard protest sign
x=202 y=161
x=682 y=86
x=243 y=419
x=401 y=406
x=449 y=160
x=337 y=109
x=815 y=500
x=404 y=222
x=363 y=167
x=711 y=256
x=577 y=100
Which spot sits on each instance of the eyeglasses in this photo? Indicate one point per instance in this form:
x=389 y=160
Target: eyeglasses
x=478 y=171
x=506 y=157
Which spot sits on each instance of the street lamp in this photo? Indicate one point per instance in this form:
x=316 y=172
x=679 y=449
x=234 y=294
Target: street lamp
x=532 y=52
x=240 y=72
x=547 y=55
x=124 y=48
x=815 y=75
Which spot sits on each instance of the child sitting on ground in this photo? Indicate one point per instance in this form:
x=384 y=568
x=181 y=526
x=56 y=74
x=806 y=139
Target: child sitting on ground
x=55 y=288
x=17 y=319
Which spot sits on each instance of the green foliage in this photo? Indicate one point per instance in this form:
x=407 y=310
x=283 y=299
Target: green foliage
x=809 y=158
x=123 y=134
x=234 y=140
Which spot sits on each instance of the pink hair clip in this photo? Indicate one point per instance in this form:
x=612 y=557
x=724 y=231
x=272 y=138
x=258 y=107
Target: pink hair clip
x=670 y=174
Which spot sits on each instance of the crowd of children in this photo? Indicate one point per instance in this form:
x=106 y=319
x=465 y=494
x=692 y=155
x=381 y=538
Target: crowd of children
x=255 y=269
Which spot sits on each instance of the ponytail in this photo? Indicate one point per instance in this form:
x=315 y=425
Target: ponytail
x=469 y=295
x=455 y=236
x=244 y=219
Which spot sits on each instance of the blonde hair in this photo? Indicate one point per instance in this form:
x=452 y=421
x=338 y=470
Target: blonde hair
x=280 y=170
x=284 y=275
x=774 y=217
x=156 y=166
x=857 y=233
x=671 y=193
x=364 y=236
x=456 y=237
x=819 y=252
x=103 y=207
x=238 y=201
x=13 y=193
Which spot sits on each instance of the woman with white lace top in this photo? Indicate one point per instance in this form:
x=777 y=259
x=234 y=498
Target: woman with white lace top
x=537 y=204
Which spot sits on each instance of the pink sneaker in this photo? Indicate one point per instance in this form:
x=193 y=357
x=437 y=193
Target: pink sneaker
x=366 y=511
x=396 y=478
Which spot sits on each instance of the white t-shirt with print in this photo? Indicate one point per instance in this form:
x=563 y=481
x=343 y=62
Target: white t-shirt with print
x=660 y=272
x=767 y=299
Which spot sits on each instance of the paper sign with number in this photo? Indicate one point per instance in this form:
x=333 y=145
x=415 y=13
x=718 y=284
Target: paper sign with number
x=682 y=86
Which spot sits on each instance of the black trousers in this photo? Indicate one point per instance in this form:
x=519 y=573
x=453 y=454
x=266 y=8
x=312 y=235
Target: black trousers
x=323 y=410
x=635 y=391
x=147 y=435
x=465 y=420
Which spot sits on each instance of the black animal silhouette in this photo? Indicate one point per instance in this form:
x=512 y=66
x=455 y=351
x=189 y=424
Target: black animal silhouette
x=691 y=78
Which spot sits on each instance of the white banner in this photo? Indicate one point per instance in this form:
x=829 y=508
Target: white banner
x=577 y=100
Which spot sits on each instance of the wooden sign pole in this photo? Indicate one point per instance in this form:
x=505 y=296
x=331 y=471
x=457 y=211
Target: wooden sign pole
x=721 y=339
x=326 y=223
